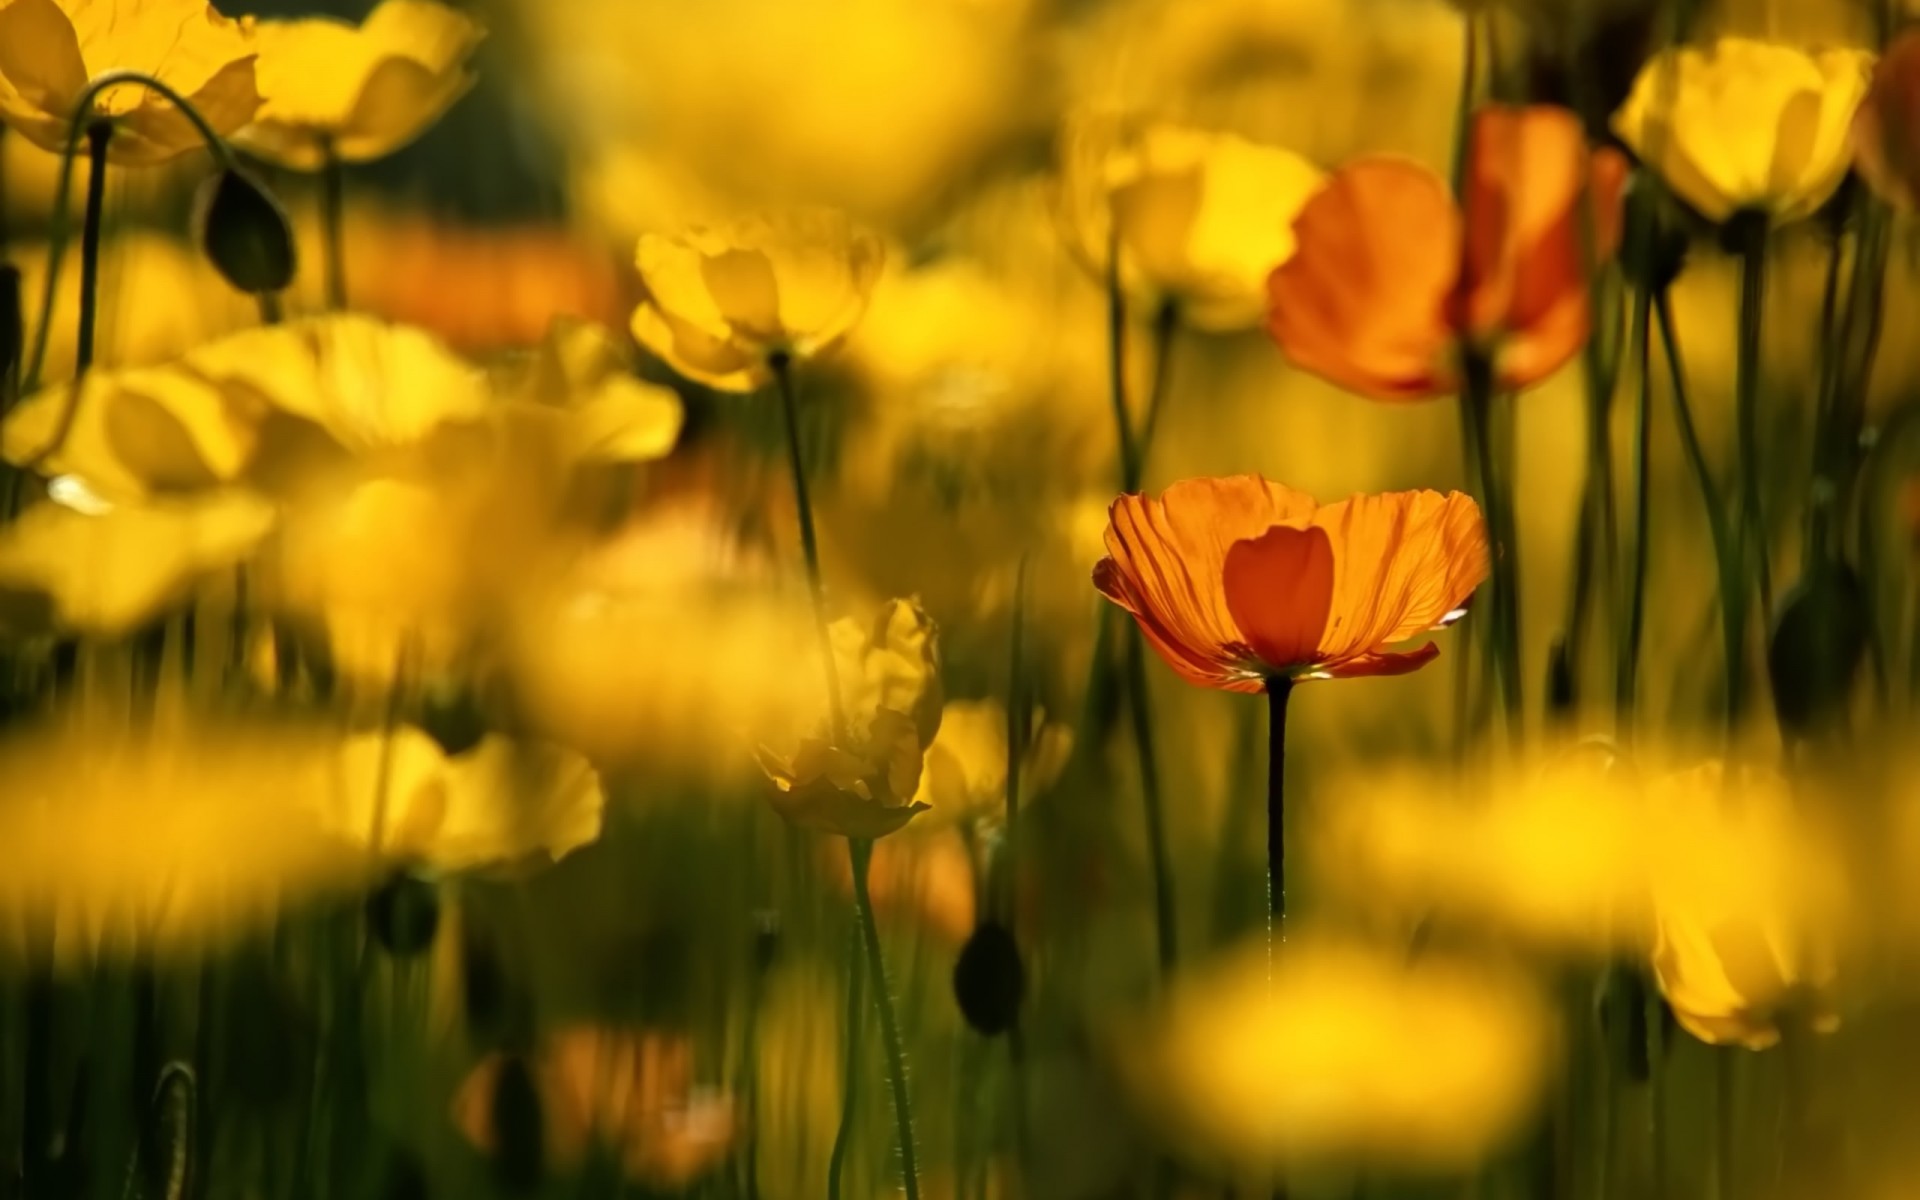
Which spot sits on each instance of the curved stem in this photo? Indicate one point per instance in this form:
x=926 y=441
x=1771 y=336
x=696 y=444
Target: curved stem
x=1626 y=676
x=99 y=133
x=83 y=114
x=333 y=188
x=1732 y=585
x=860 y=852
x=850 y=1076
x=782 y=368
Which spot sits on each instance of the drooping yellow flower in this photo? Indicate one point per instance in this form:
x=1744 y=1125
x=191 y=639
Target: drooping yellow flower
x=107 y=572
x=360 y=93
x=161 y=840
x=266 y=401
x=862 y=779
x=503 y=803
x=1333 y=1050
x=966 y=767
x=1737 y=951
x=51 y=49
x=1747 y=125
x=1201 y=219
x=719 y=300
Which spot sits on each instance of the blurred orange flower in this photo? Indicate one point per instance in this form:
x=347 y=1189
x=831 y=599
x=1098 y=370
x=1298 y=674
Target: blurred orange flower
x=1886 y=127
x=1238 y=580
x=1389 y=276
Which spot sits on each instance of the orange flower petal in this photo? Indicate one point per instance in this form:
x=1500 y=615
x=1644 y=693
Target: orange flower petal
x=1886 y=128
x=1279 y=587
x=1362 y=303
x=1385 y=662
x=1406 y=561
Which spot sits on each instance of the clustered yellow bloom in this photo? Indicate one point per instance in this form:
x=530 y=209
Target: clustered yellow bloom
x=331 y=90
x=1199 y=219
x=720 y=300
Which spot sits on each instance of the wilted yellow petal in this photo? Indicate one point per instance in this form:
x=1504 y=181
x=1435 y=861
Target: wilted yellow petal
x=1341 y=1051
x=110 y=572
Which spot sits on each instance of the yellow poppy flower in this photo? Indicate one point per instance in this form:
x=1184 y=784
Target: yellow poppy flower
x=221 y=412
x=1201 y=219
x=164 y=840
x=357 y=93
x=1747 y=125
x=1333 y=1050
x=50 y=49
x=719 y=300
x=107 y=572
x=502 y=803
x=888 y=671
x=1737 y=949
x=966 y=767
x=583 y=378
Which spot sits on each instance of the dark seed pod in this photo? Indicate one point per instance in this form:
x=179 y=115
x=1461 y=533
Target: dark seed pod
x=519 y=1142
x=1560 y=684
x=1620 y=1002
x=404 y=914
x=988 y=979
x=245 y=233
x=1818 y=642
x=454 y=721
x=1653 y=240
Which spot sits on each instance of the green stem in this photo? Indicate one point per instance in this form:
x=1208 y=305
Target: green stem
x=1732 y=589
x=1166 y=323
x=1019 y=729
x=1476 y=398
x=333 y=190
x=1726 y=1131
x=1279 y=689
x=860 y=853
x=1753 y=543
x=99 y=133
x=1166 y=923
x=850 y=1075
x=782 y=367
x=1626 y=675
x=1117 y=367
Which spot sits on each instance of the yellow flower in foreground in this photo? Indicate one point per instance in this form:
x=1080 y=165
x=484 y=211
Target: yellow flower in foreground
x=164 y=840
x=719 y=300
x=50 y=49
x=632 y=1093
x=108 y=572
x=1201 y=219
x=1737 y=957
x=966 y=767
x=583 y=378
x=265 y=401
x=500 y=804
x=1338 y=1050
x=1747 y=125
x=361 y=93
x=890 y=690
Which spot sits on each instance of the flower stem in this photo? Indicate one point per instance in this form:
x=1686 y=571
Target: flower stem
x=1626 y=675
x=99 y=133
x=850 y=1077
x=1732 y=589
x=860 y=852
x=1751 y=535
x=333 y=191
x=782 y=367
x=1117 y=368
x=1166 y=323
x=1166 y=923
x=1278 y=691
x=1476 y=398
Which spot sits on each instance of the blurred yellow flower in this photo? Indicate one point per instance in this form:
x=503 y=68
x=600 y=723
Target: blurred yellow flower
x=581 y=376
x=1736 y=956
x=163 y=840
x=1752 y=126
x=720 y=300
x=1201 y=219
x=350 y=384
x=889 y=676
x=51 y=49
x=327 y=87
x=503 y=803
x=966 y=767
x=106 y=573
x=630 y=1092
x=1335 y=1050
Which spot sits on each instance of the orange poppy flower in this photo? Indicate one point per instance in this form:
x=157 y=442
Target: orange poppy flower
x=1886 y=127
x=1388 y=278
x=1239 y=580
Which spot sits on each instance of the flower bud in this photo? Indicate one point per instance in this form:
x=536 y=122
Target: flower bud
x=988 y=979
x=245 y=233
x=1818 y=641
x=404 y=914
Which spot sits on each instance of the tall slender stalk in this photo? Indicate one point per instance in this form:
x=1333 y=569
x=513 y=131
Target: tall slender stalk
x=1279 y=689
x=1752 y=540
x=333 y=190
x=850 y=1075
x=1476 y=399
x=860 y=852
x=1626 y=675
x=782 y=367
x=99 y=133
